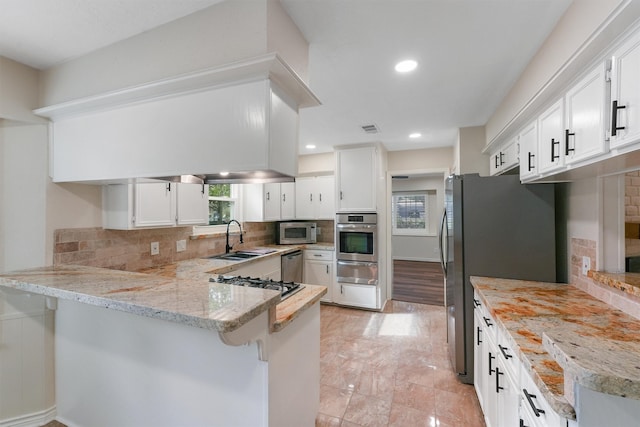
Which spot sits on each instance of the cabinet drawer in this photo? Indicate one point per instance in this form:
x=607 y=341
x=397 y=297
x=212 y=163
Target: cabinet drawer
x=507 y=354
x=488 y=324
x=318 y=255
x=535 y=406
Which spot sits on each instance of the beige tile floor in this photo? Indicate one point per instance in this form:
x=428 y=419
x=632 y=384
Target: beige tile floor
x=390 y=369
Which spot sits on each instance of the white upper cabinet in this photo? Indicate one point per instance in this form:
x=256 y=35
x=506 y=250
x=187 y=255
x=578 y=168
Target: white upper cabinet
x=625 y=94
x=585 y=105
x=315 y=197
x=356 y=183
x=145 y=205
x=551 y=133
x=528 y=140
x=192 y=204
x=505 y=158
x=269 y=202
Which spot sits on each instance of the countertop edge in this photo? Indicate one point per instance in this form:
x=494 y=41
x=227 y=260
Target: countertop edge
x=289 y=309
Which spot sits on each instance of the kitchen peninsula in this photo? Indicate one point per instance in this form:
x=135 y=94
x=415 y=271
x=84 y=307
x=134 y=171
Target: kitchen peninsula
x=149 y=349
x=577 y=356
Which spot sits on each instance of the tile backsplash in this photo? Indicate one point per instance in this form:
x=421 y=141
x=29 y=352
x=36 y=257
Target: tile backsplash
x=131 y=250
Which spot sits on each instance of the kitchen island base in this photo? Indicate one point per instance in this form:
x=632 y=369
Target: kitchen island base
x=117 y=368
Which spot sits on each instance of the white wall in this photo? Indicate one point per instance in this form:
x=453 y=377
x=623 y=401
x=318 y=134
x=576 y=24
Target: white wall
x=420 y=248
x=24 y=178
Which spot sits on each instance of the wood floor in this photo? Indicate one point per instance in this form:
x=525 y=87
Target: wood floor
x=418 y=281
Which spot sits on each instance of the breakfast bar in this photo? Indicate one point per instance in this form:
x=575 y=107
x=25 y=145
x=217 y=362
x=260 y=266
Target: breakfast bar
x=150 y=349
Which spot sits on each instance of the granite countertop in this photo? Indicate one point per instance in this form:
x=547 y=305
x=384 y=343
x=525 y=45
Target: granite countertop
x=178 y=292
x=564 y=334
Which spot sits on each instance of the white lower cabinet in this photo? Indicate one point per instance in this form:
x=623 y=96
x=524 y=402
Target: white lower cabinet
x=365 y=296
x=506 y=392
x=318 y=270
x=269 y=268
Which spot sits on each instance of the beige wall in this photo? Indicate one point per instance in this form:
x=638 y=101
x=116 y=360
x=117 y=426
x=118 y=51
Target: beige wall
x=323 y=163
x=226 y=32
x=468 y=155
x=427 y=159
x=18 y=91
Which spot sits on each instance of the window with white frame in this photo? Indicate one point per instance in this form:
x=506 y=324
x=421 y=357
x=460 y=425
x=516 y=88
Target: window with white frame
x=224 y=206
x=410 y=213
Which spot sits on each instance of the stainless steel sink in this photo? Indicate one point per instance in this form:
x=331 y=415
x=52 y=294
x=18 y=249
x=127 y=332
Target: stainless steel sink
x=235 y=256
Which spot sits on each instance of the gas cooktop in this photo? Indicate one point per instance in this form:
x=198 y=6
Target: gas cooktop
x=286 y=289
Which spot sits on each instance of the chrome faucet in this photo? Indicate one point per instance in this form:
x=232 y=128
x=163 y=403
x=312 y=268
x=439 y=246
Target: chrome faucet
x=227 y=246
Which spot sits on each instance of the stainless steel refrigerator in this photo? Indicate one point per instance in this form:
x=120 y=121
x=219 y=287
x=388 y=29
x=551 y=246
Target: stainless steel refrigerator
x=496 y=227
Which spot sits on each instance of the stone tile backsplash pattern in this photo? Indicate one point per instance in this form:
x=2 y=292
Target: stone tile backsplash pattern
x=130 y=250
x=632 y=197
x=623 y=301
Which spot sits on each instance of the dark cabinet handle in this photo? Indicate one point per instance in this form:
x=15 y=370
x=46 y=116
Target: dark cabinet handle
x=498 y=373
x=530 y=398
x=567 y=134
x=522 y=424
x=614 y=118
x=202 y=188
x=476 y=303
x=268 y=195
x=284 y=197
x=487 y=321
x=320 y=197
x=311 y=197
x=530 y=165
x=496 y=161
x=501 y=158
x=327 y=269
x=478 y=331
x=553 y=150
x=504 y=352
x=491 y=357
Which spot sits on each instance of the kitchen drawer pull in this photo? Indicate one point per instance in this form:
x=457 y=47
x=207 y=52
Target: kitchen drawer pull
x=522 y=424
x=327 y=269
x=530 y=166
x=268 y=195
x=504 y=352
x=320 y=197
x=614 y=118
x=311 y=197
x=476 y=303
x=487 y=321
x=496 y=161
x=498 y=373
x=491 y=357
x=529 y=397
x=553 y=150
x=501 y=158
x=567 y=134
x=478 y=331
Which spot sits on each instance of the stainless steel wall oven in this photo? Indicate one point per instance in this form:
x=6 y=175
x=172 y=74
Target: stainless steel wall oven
x=356 y=254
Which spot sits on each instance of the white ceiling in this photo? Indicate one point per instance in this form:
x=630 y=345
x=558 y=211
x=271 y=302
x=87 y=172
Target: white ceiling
x=470 y=52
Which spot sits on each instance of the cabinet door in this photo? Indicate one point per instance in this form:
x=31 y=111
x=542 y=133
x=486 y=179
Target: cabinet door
x=508 y=397
x=510 y=155
x=287 y=200
x=365 y=296
x=585 y=105
x=480 y=368
x=494 y=163
x=271 y=202
x=192 y=204
x=551 y=131
x=304 y=198
x=528 y=140
x=625 y=94
x=356 y=180
x=154 y=204
x=319 y=273
x=326 y=197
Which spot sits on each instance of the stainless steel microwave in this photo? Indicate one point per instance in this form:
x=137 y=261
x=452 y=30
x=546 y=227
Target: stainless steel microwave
x=292 y=233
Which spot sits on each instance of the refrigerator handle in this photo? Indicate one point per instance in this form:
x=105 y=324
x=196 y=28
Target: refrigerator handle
x=441 y=236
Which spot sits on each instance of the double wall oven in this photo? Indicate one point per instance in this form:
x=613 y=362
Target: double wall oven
x=356 y=252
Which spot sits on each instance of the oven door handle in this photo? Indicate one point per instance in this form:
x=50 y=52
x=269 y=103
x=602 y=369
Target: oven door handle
x=356 y=263
x=356 y=227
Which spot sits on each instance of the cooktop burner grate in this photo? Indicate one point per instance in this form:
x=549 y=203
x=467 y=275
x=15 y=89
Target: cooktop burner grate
x=286 y=289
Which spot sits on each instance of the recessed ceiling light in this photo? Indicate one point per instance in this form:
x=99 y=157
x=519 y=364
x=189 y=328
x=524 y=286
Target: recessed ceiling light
x=406 y=66
x=415 y=135
x=310 y=147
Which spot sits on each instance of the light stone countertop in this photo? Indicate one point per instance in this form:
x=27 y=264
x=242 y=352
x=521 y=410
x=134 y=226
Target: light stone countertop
x=564 y=334
x=179 y=292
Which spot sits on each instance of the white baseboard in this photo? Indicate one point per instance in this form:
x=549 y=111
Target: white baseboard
x=417 y=259
x=34 y=419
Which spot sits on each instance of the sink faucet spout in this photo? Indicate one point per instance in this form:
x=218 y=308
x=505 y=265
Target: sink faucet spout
x=227 y=246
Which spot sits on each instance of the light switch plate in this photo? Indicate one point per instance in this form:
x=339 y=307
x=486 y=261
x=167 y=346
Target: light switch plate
x=181 y=245
x=155 y=248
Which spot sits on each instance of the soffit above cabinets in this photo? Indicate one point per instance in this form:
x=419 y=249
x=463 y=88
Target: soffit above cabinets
x=269 y=66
